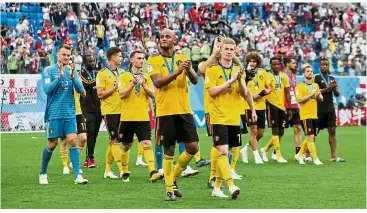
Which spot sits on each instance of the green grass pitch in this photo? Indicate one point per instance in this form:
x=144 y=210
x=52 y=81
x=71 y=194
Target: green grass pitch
x=333 y=185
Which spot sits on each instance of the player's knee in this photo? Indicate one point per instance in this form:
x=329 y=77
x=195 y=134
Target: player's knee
x=146 y=144
x=260 y=133
x=71 y=141
x=52 y=144
x=297 y=129
x=222 y=150
x=192 y=150
x=82 y=138
x=254 y=131
x=169 y=150
x=126 y=146
x=332 y=131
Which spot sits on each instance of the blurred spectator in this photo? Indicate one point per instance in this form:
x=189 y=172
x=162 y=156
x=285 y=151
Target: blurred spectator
x=352 y=103
x=77 y=60
x=12 y=63
x=308 y=31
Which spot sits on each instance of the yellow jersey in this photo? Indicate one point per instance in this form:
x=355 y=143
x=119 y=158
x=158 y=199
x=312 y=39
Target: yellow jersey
x=225 y=108
x=277 y=84
x=108 y=79
x=172 y=99
x=78 y=110
x=308 y=109
x=135 y=106
x=256 y=85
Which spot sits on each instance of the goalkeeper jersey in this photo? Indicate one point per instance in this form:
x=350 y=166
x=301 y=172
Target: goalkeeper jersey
x=60 y=92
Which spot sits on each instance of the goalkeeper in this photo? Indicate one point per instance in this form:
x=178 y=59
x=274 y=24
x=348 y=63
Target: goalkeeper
x=58 y=82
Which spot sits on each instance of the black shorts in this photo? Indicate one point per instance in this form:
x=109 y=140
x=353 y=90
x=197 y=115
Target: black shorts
x=310 y=126
x=326 y=119
x=209 y=128
x=276 y=117
x=244 y=129
x=112 y=125
x=81 y=124
x=172 y=128
x=127 y=129
x=295 y=120
x=227 y=135
x=260 y=123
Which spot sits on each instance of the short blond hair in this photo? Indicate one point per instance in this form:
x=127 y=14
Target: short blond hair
x=227 y=41
x=305 y=66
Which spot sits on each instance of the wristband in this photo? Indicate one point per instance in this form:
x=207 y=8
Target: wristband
x=262 y=93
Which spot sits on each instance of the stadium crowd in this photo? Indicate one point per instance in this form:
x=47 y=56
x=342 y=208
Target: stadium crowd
x=308 y=31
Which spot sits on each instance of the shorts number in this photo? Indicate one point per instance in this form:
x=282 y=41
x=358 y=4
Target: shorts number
x=84 y=126
x=283 y=125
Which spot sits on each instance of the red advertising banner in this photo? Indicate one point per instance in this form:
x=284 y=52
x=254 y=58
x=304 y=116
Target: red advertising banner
x=347 y=117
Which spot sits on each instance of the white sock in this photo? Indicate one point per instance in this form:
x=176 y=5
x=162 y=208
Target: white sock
x=256 y=153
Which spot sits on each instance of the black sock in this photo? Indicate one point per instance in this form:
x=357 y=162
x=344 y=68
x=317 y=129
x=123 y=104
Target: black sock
x=297 y=149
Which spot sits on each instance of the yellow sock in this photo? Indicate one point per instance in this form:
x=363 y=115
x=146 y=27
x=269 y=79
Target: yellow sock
x=80 y=149
x=117 y=152
x=140 y=150
x=183 y=160
x=303 y=148
x=269 y=145
x=197 y=155
x=109 y=159
x=124 y=161
x=276 y=145
x=168 y=172
x=149 y=157
x=225 y=170
x=219 y=177
x=64 y=155
x=311 y=147
x=213 y=163
x=235 y=155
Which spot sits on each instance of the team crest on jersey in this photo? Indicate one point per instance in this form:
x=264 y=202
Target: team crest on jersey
x=261 y=77
x=149 y=68
x=217 y=138
x=178 y=62
x=282 y=80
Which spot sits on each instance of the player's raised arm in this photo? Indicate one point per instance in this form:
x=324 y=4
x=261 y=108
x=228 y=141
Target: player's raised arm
x=190 y=73
x=213 y=57
x=49 y=84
